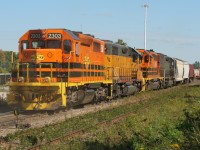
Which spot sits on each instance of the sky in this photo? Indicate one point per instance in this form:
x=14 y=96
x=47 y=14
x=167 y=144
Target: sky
x=172 y=26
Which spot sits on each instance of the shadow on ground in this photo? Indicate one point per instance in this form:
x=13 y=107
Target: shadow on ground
x=4 y=108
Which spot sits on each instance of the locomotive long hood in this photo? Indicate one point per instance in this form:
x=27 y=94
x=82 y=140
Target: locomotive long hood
x=42 y=55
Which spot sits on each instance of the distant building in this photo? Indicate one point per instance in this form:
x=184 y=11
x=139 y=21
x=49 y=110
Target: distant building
x=4 y=78
x=4 y=90
x=3 y=95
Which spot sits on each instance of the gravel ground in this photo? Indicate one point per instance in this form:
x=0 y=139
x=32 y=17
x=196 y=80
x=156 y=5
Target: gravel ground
x=39 y=120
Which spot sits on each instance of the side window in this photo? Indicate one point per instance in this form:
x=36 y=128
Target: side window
x=155 y=57
x=24 y=45
x=67 y=46
x=146 y=59
x=114 y=50
x=77 y=49
x=134 y=57
x=172 y=64
x=124 y=50
x=96 y=47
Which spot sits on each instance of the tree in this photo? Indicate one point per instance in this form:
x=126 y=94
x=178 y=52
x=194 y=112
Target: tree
x=196 y=65
x=2 y=60
x=121 y=42
x=6 y=58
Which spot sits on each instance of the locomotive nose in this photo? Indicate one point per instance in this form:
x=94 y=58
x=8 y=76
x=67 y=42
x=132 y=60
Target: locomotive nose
x=42 y=55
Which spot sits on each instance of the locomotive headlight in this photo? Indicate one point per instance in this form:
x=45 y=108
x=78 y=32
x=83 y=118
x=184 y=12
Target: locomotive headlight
x=21 y=79
x=47 y=79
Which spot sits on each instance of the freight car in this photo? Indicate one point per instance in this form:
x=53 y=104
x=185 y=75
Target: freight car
x=186 y=71
x=191 y=73
x=197 y=73
x=179 y=70
x=59 y=68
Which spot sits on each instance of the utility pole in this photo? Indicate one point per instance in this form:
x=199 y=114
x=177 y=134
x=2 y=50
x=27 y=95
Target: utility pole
x=145 y=26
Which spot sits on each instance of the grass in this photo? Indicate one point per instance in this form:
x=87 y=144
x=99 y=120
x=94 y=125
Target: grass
x=161 y=120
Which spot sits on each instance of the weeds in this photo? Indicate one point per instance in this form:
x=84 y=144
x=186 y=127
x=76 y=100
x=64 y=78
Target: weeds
x=168 y=120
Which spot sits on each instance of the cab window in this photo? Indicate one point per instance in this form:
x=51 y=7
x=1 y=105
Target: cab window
x=96 y=47
x=53 y=44
x=24 y=45
x=38 y=44
x=134 y=57
x=146 y=59
x=67 y=46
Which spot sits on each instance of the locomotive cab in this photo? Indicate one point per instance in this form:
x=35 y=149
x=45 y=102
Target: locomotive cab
x=42 y=53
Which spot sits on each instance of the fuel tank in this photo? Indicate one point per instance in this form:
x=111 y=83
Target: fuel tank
x=83 y=97
x=129 y=90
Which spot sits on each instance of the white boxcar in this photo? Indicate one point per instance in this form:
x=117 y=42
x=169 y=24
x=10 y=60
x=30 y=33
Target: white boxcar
x=179 y=66
x=186 y=71
x=197 y=73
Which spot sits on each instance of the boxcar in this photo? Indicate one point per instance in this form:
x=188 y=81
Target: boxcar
x=179 y=67
x=191 y=72
x=186 y=72
x=197 y=73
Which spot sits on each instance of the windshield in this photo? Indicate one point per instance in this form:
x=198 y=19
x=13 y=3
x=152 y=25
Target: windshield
x=38 y=44
x=53 y=44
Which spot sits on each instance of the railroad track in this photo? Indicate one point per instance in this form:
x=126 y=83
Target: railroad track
x=24 y=120
x=8 y=120
x=85 y=130
x=6 y=113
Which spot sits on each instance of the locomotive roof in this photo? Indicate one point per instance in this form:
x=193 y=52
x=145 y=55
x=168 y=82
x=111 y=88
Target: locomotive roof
x=136 y=51
x=178 y=59
x=72 y=35
x=66 y=30
x=186 y=62
x=149 y=53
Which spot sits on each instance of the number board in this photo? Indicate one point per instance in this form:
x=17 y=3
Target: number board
x=35 y=35
x=54 y=36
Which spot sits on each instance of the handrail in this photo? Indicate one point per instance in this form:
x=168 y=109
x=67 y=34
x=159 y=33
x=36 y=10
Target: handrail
x=17 y=71
x=40 y=71
x=27 y=72
x=70 y=55
x=27 y=67
x=51 y=70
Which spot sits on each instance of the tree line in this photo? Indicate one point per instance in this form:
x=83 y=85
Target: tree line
x=196 y=65
x=7 y=59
